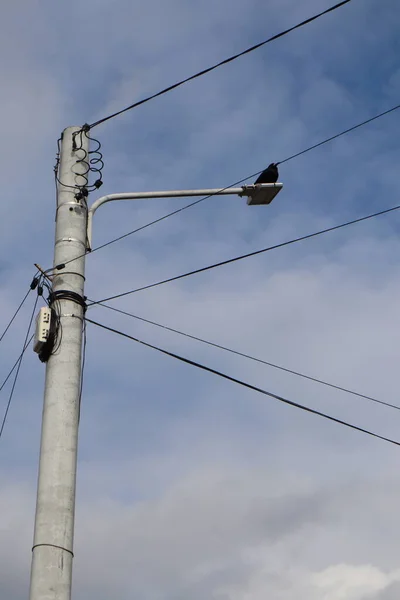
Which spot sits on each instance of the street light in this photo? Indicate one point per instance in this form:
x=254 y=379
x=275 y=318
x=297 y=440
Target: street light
x=52 y=551
x=257 y=195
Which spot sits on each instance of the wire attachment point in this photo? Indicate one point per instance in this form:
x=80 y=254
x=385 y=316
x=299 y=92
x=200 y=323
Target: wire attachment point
x=35 y=283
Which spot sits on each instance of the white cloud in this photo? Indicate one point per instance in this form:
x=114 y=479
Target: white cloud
x=338 y=582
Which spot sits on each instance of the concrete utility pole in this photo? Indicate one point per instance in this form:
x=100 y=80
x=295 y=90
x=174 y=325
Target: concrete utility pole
x=51 y=572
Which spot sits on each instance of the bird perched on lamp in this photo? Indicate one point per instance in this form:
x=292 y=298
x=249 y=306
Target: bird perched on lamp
x=269 y=175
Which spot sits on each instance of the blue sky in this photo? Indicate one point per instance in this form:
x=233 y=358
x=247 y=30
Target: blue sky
x=189 y=486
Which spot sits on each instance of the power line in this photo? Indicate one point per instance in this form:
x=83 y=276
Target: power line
x=33 y=285
x=247 y=385
x=15 y=314
x=334 y=137
x=252 y=176
x=253 y=358
x=241 y=257
x=16 y=362
x=24 y=347
x=234 y=184
x=219 y=64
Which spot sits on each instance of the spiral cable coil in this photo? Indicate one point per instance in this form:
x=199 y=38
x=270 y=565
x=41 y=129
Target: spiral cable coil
x=92 y=163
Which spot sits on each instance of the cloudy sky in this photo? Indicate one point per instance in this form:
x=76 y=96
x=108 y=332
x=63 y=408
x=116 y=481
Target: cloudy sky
x=190 y=487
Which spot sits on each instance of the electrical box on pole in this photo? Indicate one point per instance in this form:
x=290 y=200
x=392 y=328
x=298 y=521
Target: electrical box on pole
x=42 y=332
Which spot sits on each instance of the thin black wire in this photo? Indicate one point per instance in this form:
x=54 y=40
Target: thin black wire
x=16 y=362
x=334 y=137
x=253 y=358
x=219 y=64
x=252 y=176
x=241 y=257
x=24 y=347
x=247 y=385
x=15 y=314
x=82 y=368
x=55 y=170
x=281 y=162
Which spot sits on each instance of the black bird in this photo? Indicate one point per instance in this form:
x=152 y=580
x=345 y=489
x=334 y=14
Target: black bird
x=270 y=175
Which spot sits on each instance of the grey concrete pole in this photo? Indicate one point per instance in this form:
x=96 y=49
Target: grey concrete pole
x=51 y=571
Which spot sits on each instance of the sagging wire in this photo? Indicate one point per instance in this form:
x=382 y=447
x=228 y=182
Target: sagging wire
x=18 y=364
x=234 y=184
x=249 y=386
x=220 y=64
x=32 y=286
x=253 y=358
x=248 y=255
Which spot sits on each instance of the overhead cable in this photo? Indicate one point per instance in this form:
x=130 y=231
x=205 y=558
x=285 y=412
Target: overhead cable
x=248 y=356
x=338 y=135
x=247 y=385
x=219 y=64
x=16 y=363
x=249 y=254
x=234 y=184
x=19 y=363
x=33 y=285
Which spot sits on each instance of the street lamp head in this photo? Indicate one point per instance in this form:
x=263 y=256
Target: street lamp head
x=261 y=193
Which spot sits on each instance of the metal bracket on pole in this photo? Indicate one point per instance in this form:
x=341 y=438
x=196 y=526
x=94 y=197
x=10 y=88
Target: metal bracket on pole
x=256 y=195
